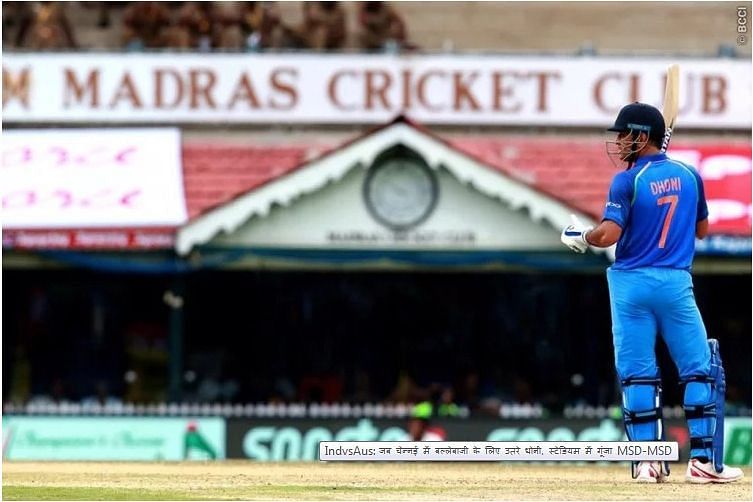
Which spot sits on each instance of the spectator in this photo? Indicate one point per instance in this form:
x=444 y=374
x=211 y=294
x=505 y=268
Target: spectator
x=447 y=407
x=283 y=390
x=101 y=396
x=227 y=32
x=13 y=14
x=104 y=19
x=262 y=28
x=104 y=10
x=193 y=29
x=57 y=395
x=327 y=388
x=440 y=403
x=45 y=26
x=20 y=389
x=213 y=389
x=361 y=392
x=468 y=390
x=212 y=25
x=144 y=25
x=406 y=390
x=323 y=26
x=381 y=28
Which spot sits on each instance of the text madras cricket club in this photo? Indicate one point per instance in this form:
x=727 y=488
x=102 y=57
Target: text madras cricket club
x=345 y=89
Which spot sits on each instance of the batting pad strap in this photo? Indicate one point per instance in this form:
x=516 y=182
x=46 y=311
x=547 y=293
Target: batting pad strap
x=641 y=417
x=700 y=410
x=641 y=381
x=698 y=378
x=701 y=443
x=650 y=415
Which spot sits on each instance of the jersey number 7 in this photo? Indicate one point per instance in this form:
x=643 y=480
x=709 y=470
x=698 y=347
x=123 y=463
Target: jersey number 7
x=672 y=201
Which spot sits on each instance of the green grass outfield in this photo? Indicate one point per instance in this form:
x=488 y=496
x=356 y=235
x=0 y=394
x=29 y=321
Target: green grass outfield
x=243 y=480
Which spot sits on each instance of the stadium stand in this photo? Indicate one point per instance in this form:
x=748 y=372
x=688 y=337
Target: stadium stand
x=441 y=26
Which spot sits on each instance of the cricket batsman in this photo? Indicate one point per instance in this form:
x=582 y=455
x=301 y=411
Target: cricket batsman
x=654 y=211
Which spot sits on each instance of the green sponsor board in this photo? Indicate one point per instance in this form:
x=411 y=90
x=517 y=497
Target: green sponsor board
x=112 y=438
x=737 y=440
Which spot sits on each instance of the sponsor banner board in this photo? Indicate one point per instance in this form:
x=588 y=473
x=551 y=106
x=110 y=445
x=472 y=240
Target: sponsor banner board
x=726 y=173
x=92 y=178
x=153 y=438
x=96 y=239
x=298 y=439
x=112 y=438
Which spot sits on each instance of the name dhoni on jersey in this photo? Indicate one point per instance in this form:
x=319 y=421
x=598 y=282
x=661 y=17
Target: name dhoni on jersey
x=665 y=185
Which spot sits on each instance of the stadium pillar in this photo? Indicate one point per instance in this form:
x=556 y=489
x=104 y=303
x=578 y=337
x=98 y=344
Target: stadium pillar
x=175 y=364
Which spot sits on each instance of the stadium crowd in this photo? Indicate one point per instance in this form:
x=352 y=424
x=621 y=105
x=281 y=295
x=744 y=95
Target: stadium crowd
x=392 y=339
x=205 y=26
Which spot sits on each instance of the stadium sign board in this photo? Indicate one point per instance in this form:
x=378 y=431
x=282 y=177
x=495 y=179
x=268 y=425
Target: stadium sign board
x=289 y=439
x=298 y=439
x=112 y=438
x=364 y=89
x=90 y=188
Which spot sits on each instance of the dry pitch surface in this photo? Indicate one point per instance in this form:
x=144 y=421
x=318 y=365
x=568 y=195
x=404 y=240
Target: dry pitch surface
x=239 y=480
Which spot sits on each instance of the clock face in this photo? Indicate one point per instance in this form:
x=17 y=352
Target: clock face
x=400 y=192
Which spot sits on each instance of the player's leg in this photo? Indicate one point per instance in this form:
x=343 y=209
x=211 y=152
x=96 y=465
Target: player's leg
x=683 y=331
x=634 y=336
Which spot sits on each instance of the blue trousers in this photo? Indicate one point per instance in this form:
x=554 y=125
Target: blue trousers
x=650 y=301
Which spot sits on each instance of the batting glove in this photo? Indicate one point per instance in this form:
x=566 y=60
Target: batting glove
x=574 y=236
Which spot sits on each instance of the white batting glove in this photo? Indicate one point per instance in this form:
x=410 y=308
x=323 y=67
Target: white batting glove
x=574 y=236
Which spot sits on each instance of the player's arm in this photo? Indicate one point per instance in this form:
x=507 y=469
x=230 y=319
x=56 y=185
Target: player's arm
x=702 y=228
x=617 y=209
x=702 y=211
x=604 y=235
x=616 y=212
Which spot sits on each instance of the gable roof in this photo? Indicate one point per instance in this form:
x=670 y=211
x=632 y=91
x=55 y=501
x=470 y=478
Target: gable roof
x=286 y=182
x=575 y=171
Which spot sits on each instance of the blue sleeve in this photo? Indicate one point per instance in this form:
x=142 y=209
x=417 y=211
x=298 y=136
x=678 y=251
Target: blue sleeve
x=703 y=209
x=619 y=200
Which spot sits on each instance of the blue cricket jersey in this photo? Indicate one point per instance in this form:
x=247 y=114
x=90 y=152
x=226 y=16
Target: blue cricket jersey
x=657 y=203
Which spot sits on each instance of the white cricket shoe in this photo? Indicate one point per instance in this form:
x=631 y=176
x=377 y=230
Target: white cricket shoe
x=702 y=473
x=650 y=472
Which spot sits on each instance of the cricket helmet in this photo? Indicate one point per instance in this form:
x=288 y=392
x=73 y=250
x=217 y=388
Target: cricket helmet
x=635 y=118
x=640 y=117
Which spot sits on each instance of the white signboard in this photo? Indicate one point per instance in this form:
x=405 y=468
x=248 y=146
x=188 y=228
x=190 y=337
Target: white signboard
x=91 y=178
x=344 y=89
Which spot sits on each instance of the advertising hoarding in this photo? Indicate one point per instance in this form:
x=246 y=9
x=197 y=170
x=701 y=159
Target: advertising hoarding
x=113 y=438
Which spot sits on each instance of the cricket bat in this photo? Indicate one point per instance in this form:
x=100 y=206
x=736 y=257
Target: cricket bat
x=671 y=103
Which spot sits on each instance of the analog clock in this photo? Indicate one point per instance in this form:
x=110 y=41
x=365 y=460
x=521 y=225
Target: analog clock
x=400 y=192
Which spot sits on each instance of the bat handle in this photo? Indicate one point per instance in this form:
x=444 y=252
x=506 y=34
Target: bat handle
x=665 y=141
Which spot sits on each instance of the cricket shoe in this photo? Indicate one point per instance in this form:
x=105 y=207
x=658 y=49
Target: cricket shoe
x=650 y=472
x=702 y=473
